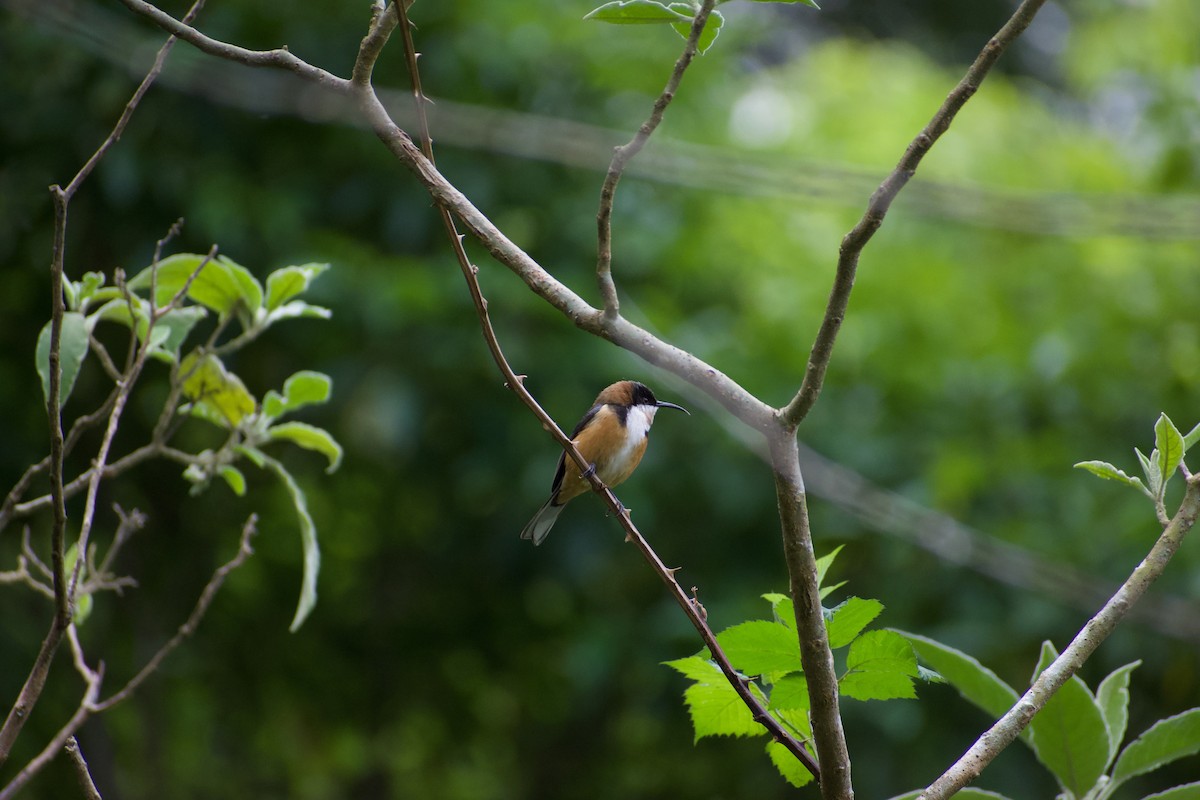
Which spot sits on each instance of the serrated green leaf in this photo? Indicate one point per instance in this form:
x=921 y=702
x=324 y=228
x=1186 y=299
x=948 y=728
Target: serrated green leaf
x=1169 y=443
x=788 y=765
x=712 y=28
x=847 y=619
x=716 y=710
x=782 y=609
x=1113 y=697
x=877 y=686
x=1070 y=737
x=222 y=284
x=759 y=646
x=976 y=683
x=697 y=668
x=302 y=389
x=1188 y=791
x=1109 y=472
x=1165 y=741
x=882 y=651
x=790 y=693
x=635 y=12
x=234 y=477
x=285 y=283
x=72 y=348
x=308 y=540
x=212 y=388
x=309 y=437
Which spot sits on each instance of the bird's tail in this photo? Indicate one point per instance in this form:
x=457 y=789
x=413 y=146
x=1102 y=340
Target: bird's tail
x=542 y=522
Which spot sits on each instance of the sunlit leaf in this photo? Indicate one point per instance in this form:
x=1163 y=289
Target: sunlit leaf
x=717 y=710
x=301 y=389
x=790 y=692
x=1109 y=472
x=635 y=12
x=1070 y=737
x=308 y=540
x=208 y=384
x=788 y=765
x=712 y=27
x=760 y=646
x=309 y=437
x=846 y=620
x=285 y=283
x=1168 y=441
x=72 y=348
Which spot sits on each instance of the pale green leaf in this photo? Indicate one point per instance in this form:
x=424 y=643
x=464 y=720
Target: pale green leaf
x=712 y=27
x=253 y=454
x=1113 y=697
x=975 y=682
x=877 y=686
x=301 y=389
x=1109 y=472
x=759 y=646
x=222 y=284
x=234 y=477
x=782 y=608
x=1165 y=741
x=308 y=540
x=174 y=327
x=72 y=348
x=285 y=283
x=788 y=765
x=1150 y=468
x=297 y=309
x=635 y=12
x=1169 y=443
x=717 y=710
x=847 y=619
x=309 y=437
x=1070 y=737
x=697 y=668
x=1190 y=439
x=1188 y=791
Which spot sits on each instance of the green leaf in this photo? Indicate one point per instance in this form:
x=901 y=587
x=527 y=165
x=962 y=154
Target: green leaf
x=881 y=666
x=790 y=692
x=635 y=12
x=256 y=457
x=782 y=608
x=309 y=437
x=846 y=620
x=1113 y=697
x=1188 y=791
x=712 y=27
x=308 y=540
x=716 y=710
x=1070 y=737
x=1169 y=443
x=1165 y=741
x=217 y=394
x=759 y=646
x=302 y=389
x=1192 y=436
x=72 y=348
x=697 y=668
x=175 y=326
x=285 y=283
x=222 y=284
x=295 y=310
x=86 y=288
x=788 y=765
x=1109 y=472
x=1151 y=470
x=975 y=682
x=234 y=477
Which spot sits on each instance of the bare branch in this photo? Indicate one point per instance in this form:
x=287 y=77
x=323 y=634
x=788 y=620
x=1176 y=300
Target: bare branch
x=1086 y=642
x=625 y=153
x=193 y=621
x=881 y=201
x=86 y=784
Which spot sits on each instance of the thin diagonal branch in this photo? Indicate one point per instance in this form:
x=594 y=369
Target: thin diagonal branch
x=1090 y=637
x=694 y=612
x=82 y=773
x=877 y=208
x=625 y=153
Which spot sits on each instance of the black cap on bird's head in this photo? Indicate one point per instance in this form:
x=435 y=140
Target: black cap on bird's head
x=633 y=393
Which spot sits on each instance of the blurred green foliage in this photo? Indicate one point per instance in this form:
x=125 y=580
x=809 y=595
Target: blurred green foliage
x=981 y=358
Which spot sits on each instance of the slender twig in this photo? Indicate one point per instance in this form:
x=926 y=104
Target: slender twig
x=625 y=153
x=854 y=241
x=695 y=613
x=193 y=621
x=35 y=682
x=82 y=773
x=1089 y=638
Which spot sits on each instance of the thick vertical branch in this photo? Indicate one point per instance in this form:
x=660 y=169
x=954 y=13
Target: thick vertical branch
x=815 y=654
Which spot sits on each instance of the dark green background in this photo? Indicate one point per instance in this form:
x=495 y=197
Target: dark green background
x=987 y=349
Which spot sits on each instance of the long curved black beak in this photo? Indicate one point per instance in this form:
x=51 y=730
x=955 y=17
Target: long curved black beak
x=665 y=404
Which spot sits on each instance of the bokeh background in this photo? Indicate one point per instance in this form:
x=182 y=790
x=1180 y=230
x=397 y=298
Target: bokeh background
x=1029 y=303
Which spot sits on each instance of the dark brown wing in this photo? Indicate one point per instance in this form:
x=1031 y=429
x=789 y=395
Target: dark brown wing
x=562 y=457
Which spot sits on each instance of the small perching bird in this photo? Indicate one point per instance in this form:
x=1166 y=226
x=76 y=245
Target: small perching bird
x=612 y=438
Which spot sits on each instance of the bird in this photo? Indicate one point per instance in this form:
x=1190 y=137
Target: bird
x=612 y=438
